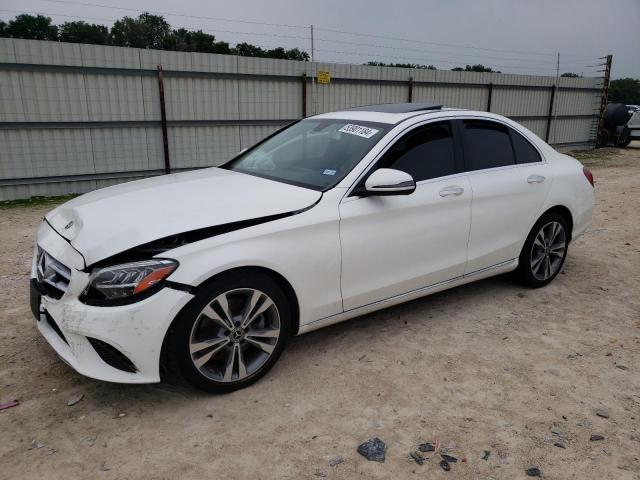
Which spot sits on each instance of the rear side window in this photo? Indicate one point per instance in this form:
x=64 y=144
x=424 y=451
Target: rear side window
x=525 y=152
x=486 y=145
x=424 y=153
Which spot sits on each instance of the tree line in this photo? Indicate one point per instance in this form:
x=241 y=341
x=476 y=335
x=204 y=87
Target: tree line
x=469 y=68
x=625 y=90
x=478 y=67
x=145 y=31
x=153 y=31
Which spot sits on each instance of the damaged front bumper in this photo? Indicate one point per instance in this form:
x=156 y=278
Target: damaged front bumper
x=116 y=343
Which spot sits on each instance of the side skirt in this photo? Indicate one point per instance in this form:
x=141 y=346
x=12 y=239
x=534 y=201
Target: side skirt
x=498 y=269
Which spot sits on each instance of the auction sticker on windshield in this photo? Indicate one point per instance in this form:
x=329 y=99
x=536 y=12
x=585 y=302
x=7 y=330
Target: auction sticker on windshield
x=359 y=130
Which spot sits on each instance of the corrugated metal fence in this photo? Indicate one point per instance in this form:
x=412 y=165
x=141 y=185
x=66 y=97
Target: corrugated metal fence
x=76 y=117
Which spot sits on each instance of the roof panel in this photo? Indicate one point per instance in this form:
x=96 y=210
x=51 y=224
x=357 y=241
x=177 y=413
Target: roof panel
x=396 y=107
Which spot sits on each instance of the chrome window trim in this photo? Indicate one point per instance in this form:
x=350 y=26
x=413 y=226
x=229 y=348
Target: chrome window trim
x=455 y=115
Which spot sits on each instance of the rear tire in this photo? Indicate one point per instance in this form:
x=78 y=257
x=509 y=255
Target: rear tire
x=231 y=333
x=625 y=139
x=544 y=251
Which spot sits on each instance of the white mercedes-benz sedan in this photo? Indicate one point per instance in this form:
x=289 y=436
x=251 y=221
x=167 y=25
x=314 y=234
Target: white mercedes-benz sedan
x=208 y=273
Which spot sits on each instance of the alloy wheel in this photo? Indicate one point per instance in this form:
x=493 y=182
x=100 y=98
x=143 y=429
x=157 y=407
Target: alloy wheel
x=234 y=335
x=547 y=252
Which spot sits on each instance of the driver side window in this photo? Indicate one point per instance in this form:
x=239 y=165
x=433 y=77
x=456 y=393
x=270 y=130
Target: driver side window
x=424 y=153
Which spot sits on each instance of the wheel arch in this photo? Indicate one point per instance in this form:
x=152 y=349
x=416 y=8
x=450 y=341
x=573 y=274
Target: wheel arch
x=563 y=212
x=281 y=281
x=166 y=368
x=277 y=277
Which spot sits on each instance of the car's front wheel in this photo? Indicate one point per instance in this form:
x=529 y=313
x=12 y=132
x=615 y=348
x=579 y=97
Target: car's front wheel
x=544 y=251
x=232 y=332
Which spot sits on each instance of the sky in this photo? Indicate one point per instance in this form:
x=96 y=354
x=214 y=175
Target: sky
x=515 y=36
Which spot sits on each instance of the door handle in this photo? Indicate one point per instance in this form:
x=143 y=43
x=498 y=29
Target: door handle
x=535 y=179
x=452 y=190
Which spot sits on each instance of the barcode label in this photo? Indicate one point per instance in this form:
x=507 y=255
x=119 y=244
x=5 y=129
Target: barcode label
x=359 y=130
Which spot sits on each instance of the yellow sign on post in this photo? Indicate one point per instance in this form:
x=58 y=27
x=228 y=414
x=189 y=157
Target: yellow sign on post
x=324 y=76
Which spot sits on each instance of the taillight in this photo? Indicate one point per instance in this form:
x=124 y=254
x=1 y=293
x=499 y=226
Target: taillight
x=589 y=175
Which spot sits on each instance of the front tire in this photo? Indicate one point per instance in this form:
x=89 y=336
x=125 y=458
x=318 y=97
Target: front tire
x=544 y=251
x=232 y=332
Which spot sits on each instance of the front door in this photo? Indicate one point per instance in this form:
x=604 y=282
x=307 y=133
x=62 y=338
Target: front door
x=396 y=244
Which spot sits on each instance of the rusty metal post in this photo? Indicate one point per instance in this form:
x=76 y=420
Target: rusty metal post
x=163 y=121
x=410 y=96
x=304 y=95
x=604 y=99
x=549 y=116
x=489 y=98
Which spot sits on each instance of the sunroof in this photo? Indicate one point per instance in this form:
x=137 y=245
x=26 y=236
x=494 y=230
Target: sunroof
x=397 y=107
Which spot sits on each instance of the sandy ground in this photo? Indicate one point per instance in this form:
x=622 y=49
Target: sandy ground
x=488 y=366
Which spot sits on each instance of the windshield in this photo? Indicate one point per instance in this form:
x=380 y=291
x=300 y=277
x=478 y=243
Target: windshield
x=312 y=153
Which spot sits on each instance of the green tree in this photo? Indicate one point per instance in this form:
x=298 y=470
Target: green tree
x=475 y=68
x=203 y=42
x=32 y=27
x=297 y=54
x=570 y=75
x=146 y=31
x=401 y=65
x=291 y=54
x=190 y=41
x=278 y=52
x=83 y=32
x=625 y=90
x=245 y=49
x=248 y=50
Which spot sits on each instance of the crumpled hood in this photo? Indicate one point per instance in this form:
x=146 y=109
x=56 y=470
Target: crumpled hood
x=108 y=221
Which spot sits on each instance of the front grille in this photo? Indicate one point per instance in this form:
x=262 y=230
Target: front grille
x=112 y=356
x=53 y=276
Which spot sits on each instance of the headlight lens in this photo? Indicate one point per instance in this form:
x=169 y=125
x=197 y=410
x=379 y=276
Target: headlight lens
x=129 y=279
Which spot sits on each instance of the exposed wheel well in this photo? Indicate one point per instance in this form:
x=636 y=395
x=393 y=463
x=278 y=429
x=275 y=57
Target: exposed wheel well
x=565 y=213
x=280 y=280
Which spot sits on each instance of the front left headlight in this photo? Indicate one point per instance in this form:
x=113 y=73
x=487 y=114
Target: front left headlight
x=126 y=281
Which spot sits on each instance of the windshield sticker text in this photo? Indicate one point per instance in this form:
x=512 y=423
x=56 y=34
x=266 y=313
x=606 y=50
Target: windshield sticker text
x=359 y=130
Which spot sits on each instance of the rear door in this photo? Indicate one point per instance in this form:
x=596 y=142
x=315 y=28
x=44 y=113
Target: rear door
x=510 y=181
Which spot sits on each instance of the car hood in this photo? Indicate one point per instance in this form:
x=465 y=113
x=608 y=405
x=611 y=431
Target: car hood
x=114 y=219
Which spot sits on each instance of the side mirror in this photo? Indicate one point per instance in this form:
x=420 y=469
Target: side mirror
x=388 y=181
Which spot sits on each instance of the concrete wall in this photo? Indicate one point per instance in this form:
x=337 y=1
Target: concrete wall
x=76 y=117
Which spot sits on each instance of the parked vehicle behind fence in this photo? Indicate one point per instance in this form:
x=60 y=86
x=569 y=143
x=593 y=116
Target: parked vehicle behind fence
x=621 y=125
